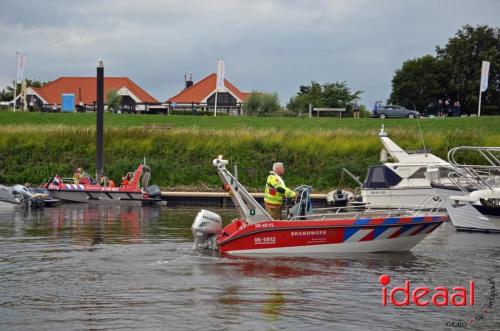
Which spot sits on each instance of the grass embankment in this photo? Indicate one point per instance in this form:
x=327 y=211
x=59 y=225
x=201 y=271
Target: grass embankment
x=486 y=125
x=312 y=151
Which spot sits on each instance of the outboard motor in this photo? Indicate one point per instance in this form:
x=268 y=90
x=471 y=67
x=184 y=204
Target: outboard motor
x=146 y=176
x=205 y=227
x=22 y=194
x=154 y=191
x=339 y=198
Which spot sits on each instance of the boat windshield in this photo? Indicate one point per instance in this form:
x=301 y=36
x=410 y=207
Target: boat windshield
x=381 y=177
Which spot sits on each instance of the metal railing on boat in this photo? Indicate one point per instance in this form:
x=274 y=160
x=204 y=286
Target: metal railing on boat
x=489 y=154
x=430 y=205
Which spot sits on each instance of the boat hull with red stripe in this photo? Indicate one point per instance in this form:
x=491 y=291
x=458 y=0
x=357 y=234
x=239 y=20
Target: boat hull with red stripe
x=131 y=193
x=308 y=237
x=96 y=193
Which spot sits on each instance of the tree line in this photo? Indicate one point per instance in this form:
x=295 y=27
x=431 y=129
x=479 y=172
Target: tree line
x=7 y=93
x=326 y=95
x=452 y=73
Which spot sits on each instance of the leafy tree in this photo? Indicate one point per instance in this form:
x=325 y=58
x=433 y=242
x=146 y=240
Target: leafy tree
x=7 y=94
x=262 y=103
x=453 y=73
x=462 y=57
x=328 y=95
x=252 y=103
x=114 y=101
x=363 y=112
x=418 y=82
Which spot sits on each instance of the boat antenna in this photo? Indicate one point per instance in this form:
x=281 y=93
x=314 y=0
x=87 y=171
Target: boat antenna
x=420 y=131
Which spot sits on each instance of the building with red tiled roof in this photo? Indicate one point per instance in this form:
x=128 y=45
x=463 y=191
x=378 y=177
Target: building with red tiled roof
x=201 y=97
x=84 y=89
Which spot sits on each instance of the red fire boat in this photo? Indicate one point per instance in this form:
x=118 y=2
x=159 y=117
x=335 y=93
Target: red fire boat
x=66 y=190
x=306 y=231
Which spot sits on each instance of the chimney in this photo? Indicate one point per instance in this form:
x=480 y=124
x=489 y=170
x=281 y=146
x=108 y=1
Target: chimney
x=189 y=82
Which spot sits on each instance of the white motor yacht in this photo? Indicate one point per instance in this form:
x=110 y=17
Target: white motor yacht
x=405 y=181
x=472 y=191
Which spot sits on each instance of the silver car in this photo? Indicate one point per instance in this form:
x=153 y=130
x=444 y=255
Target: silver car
x=394 y=111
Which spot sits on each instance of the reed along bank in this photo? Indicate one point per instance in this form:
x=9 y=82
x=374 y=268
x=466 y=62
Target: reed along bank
x=181 y=158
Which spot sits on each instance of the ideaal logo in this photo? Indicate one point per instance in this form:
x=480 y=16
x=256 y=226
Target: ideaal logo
x=440 y=296
x=423 y=296
x=479 y=314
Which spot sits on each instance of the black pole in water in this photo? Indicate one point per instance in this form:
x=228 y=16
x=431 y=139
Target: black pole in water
x=99 y=160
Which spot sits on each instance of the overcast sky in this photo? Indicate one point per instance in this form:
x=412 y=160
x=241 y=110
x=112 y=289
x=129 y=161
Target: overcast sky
x=267 y=45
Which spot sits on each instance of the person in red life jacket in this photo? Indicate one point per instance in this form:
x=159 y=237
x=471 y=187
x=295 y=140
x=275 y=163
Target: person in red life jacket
x=126 y=179
x=276 y=191
x=81 y=177
x=86 y=180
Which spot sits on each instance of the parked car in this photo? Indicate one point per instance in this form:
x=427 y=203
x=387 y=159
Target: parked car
x=394 y=111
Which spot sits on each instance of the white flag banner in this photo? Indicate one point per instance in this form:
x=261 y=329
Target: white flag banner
x=220 y=76
x=20 y=65
x=485 y=70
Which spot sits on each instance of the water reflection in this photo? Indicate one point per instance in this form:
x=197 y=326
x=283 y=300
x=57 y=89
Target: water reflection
x=112 y=266
x=284 y=267
x=84 y=223
x=274 y=306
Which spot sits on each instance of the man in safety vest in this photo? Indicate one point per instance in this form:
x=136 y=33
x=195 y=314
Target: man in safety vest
x=276 y=191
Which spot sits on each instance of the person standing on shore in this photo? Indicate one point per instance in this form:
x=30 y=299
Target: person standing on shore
x=456 y=109
x=440 y=108
x=355 y=111
x=276 y=191
x=447 y=108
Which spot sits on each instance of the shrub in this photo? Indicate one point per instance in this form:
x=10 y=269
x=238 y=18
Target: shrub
x=114 y=100
x=262 y=104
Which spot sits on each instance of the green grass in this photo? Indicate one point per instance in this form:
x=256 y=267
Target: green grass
x=35 y=146
x=484 y=125
x=182 y=158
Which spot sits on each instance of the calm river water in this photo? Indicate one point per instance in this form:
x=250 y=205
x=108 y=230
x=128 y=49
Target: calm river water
x=80 y=267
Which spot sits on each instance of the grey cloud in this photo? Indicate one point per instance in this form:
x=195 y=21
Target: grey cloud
x=267 y=45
